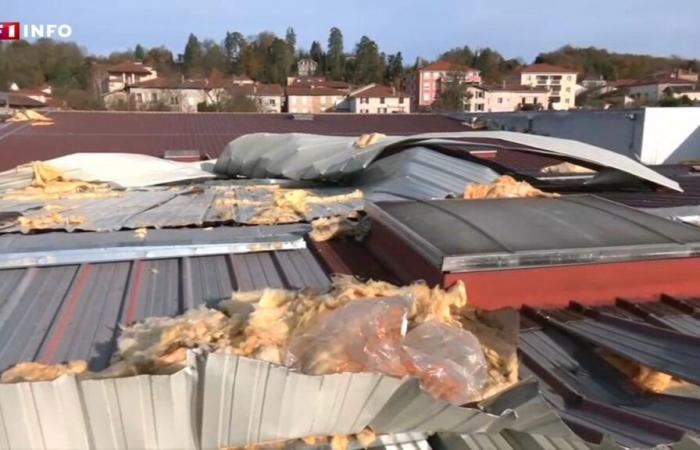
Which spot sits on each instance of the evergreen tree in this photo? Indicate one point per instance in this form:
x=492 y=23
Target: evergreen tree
x=139 y=52
x=316 y=53
x=369 y=63
x=192 y=58
x=394 y=67
x=335 y=57
x=291 y=39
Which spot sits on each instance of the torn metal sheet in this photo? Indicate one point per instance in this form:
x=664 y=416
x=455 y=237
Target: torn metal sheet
x=467 y=235
x=120 y=169
x=421 y=174
x=60 y=249
x=247 y=401
x=200 y=204
x=141 y=412
x=306 y=156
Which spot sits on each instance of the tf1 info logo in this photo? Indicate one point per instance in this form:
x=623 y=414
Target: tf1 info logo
x=11 y=31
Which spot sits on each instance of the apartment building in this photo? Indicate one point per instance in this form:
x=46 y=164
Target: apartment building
x=560 y=81
x=505 y=98
x=424 y=85
x=378 y=99
x=269 y=98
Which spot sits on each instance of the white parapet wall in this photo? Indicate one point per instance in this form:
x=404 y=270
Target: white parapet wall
x=671 y=135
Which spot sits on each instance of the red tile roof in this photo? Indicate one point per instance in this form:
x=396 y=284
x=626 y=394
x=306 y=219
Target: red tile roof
x=447 y=66
x=272 y=90
x=171 y=83
x=315 y=90
x=545 y=68
x=153 y=133
x=129 y=67
x=666 y=80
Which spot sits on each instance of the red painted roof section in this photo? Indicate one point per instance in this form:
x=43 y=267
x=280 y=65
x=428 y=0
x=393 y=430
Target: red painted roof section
x=314 y=90
x=128 y=67
x=153 y=133
x=446 y=65
x=544 y=68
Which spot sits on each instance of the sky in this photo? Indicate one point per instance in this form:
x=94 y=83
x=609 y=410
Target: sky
x=425 y=28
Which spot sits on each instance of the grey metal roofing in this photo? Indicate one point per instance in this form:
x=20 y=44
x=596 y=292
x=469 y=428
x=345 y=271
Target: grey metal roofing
x=54 y=314
x=162 y=207
x=559 y=347
x=306 y=156
x=50 y=249
x=419 y=173
x=458 y=235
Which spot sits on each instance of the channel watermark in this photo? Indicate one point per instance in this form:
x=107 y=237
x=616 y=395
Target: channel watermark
x=12 y=31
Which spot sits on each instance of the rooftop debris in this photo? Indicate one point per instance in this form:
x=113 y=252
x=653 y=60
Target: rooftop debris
x=50 y=182
x=34 y=371
x=366 y=140
x=308 y=329
x=645 y=378
x=504 y=187
x=327 y=228
x=28 y=115
x=49 y=219
x=566 y=168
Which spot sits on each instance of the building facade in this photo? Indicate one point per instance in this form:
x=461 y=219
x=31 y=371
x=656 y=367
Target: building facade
x=425 y=84
x=505 y=98
x=651 y=91
x=129 y=72
x=315 y=99
x=560 y=81
x=307 y=67
x=378 y=99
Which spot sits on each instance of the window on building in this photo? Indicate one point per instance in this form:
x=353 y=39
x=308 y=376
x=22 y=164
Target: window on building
x=382 y=100
x=383 y=110
x=427 y=85
x=139 y=98
x=174 y=100
x=401 y=100
x=426 y=97
x=500 y=100
x=524 y=100
x=480 y=107
x=568 y=89
x=364 y=100
x=273 y=102
x=154 y=97
x=568 y=78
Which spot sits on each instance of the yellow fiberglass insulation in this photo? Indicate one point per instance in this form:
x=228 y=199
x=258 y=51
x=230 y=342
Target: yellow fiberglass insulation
x=261 y=324
x=504 y=187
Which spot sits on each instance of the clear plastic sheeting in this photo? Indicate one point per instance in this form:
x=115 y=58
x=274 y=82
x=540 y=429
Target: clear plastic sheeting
x=448 y=360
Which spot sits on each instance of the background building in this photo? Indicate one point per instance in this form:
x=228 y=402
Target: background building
x=378 y=99
x=560 y=81
x=505 y=98
x=425 y=84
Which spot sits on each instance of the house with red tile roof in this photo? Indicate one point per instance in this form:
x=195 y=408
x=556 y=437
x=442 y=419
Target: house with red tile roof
x=560 y=81
x=424 y=85
x=377 y=99
x=116 y=77
x=314 y=99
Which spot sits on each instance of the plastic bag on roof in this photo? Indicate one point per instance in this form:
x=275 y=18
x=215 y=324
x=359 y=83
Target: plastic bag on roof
x=361 y=336
x=369 y=335
x=448 y=360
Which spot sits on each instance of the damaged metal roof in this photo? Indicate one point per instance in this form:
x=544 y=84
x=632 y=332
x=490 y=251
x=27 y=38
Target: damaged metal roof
x=307 y=157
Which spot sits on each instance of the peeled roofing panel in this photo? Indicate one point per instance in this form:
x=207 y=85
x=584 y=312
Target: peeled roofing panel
x=143 y=412
x=305 y=156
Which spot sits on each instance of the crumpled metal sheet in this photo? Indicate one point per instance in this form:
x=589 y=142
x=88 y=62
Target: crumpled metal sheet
x=420 y=173
x=120 y=169
x=160 y=207
x=301 y=156
x=247 y=401
x=141 y=412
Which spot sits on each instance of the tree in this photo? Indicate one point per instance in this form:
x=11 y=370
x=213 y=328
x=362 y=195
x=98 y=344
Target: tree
x=459 y=55
x=394 y=67
x=452 y=96
x=291 y=39
x=279 y=63
x=213 y=57
x=369 y=63
x=316 y=53
x=669 y=101
x=192 y=58
x=335 y=57
x=161 y=59
x=234 y=47
x=139 y=52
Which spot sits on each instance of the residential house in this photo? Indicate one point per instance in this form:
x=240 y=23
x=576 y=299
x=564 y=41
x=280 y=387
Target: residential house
x=424 y=85
x=505 y=98
x=693 y=94
x=313 y=99
x=378 y=99
x=269 y=98
x=241 y=80
x=680 y=74
x=560 y=81
x=652 y=90
x=123 y=74
x=173 y=94
x=318 y=81
x=307 y=67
